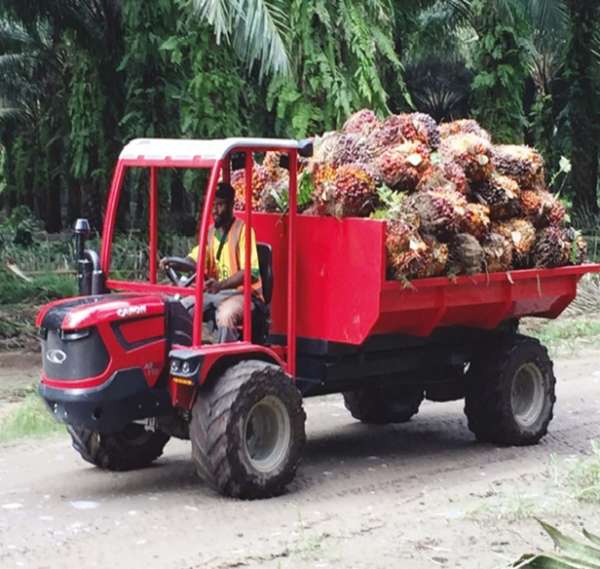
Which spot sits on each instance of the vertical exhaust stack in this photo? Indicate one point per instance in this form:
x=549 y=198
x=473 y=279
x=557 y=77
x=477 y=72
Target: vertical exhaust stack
x=90 y=278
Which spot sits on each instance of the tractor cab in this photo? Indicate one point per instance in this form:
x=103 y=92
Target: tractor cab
x=130 y=340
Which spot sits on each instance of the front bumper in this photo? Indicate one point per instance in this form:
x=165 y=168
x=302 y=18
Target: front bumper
x=124 y=398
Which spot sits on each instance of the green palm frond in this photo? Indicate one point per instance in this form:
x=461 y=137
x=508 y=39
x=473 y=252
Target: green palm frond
x=257 y=29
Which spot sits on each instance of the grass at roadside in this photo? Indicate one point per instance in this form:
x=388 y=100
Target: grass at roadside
x=29 y=418
x=566 y=335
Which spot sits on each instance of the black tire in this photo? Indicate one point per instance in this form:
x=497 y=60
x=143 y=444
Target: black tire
x=380 y=405
x=511 y=392
x=133 y=448
x=224 y=451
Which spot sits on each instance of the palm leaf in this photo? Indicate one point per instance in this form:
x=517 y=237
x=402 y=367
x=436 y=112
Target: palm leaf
x=257 y=29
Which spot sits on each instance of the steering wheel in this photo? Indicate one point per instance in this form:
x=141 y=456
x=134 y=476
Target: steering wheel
x=175 y=266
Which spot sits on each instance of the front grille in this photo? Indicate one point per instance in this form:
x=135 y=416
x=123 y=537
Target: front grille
x=73 y=355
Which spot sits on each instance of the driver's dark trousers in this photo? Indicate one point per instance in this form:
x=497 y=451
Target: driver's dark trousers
x=228 y=309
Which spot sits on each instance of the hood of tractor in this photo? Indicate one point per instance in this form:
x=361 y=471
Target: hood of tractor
x=87 y=340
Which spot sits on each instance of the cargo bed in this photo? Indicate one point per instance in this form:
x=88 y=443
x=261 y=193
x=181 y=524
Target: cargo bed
x=342 y=279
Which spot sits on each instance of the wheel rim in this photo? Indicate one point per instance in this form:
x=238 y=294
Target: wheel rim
x=527 y=395
x=267 y=434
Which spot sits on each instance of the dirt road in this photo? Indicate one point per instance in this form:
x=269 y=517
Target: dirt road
x=418 y=495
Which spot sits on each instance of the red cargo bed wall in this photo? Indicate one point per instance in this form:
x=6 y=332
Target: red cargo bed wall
x=343 y=295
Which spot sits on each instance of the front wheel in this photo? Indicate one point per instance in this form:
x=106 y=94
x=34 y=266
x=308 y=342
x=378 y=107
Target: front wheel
x=511 y=392
x=247 y=431
x=132 y=448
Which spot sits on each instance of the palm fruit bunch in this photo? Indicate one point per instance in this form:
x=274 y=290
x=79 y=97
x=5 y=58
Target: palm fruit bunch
x=454 y=202
x=522 y=163
x=353 y=193
x=476 y=220
x=553 y=212
x=272 y=165
x=463 y=126
x=324 y=147
x=471 y=152
x=437 y=258
x=501 y=195
x=521 y=234
x=350 y=148
x=466 y=255
x=260 y=178
x=556 y=247
x=427 y=129
x=441 y=212
x=402 y=166
x=531 y=205
x=551 y=248
x=497 y=252
x=275 y=195
x=407 y=253
x=362 y=122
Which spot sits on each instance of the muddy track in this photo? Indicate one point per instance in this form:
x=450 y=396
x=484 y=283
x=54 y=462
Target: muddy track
x=423 y=494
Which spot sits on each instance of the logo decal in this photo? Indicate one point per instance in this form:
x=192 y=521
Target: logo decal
x=132 y=311
x=56 y=357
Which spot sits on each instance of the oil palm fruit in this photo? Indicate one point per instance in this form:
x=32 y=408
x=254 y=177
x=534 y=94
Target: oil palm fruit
x=260 y=178
x=522 y=163
x=497 y=252
x=407 y=253
x=466 y=255
x=351 y=148
x=362 y=122
x=402 y=166
x=553 y=211
x=437 y=258
x=501 y=195
x=463 y=126
x=476 y=220
x=441 y=212
x=552 y=249
x=354 y=194
x=530 y=203
x=471 y=152
x=521 y=234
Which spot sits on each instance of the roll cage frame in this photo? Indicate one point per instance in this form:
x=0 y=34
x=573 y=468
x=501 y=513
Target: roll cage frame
x=156 y=154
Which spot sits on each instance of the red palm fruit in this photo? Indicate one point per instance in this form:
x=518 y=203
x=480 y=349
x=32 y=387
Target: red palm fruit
x=361 y=122
x=471 y=152
x=463 y=126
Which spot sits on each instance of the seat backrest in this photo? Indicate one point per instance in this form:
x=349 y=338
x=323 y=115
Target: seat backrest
x=265 y=263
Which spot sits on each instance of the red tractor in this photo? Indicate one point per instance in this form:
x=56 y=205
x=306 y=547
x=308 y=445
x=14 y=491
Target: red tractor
x=126 y=368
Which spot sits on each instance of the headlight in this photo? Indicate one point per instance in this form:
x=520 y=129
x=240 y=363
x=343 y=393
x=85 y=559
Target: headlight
x=175 y=366
x=186 y=367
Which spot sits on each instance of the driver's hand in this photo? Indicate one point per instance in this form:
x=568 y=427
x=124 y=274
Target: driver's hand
x=163 y=263
x=212 y=286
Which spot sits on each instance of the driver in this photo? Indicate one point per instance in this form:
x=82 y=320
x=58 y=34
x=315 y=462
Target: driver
x=225 y=256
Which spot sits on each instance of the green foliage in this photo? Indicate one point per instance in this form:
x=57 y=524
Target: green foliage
x=584 y=476
x=570 y=554
x=500 y=60
x=341 y=50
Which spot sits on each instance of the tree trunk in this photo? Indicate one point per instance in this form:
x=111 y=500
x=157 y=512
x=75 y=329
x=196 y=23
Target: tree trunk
x=583 y=105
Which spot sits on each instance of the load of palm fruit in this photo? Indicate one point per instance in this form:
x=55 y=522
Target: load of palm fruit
x=454 y=202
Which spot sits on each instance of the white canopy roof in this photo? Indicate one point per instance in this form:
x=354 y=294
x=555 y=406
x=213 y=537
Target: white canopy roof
x=188 y=150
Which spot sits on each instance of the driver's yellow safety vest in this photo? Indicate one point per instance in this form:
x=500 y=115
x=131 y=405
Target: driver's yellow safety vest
x=226 y=254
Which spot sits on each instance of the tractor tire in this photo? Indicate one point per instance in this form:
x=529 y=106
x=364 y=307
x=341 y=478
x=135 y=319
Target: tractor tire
x=378 y=405
x=130 y=449
x=510 y=392
x=247 y=431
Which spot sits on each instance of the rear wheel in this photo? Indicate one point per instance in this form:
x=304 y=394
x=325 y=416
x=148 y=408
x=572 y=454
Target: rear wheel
x=132 y=448
x=379 y=405
x=510 y=392
x=247 y=431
